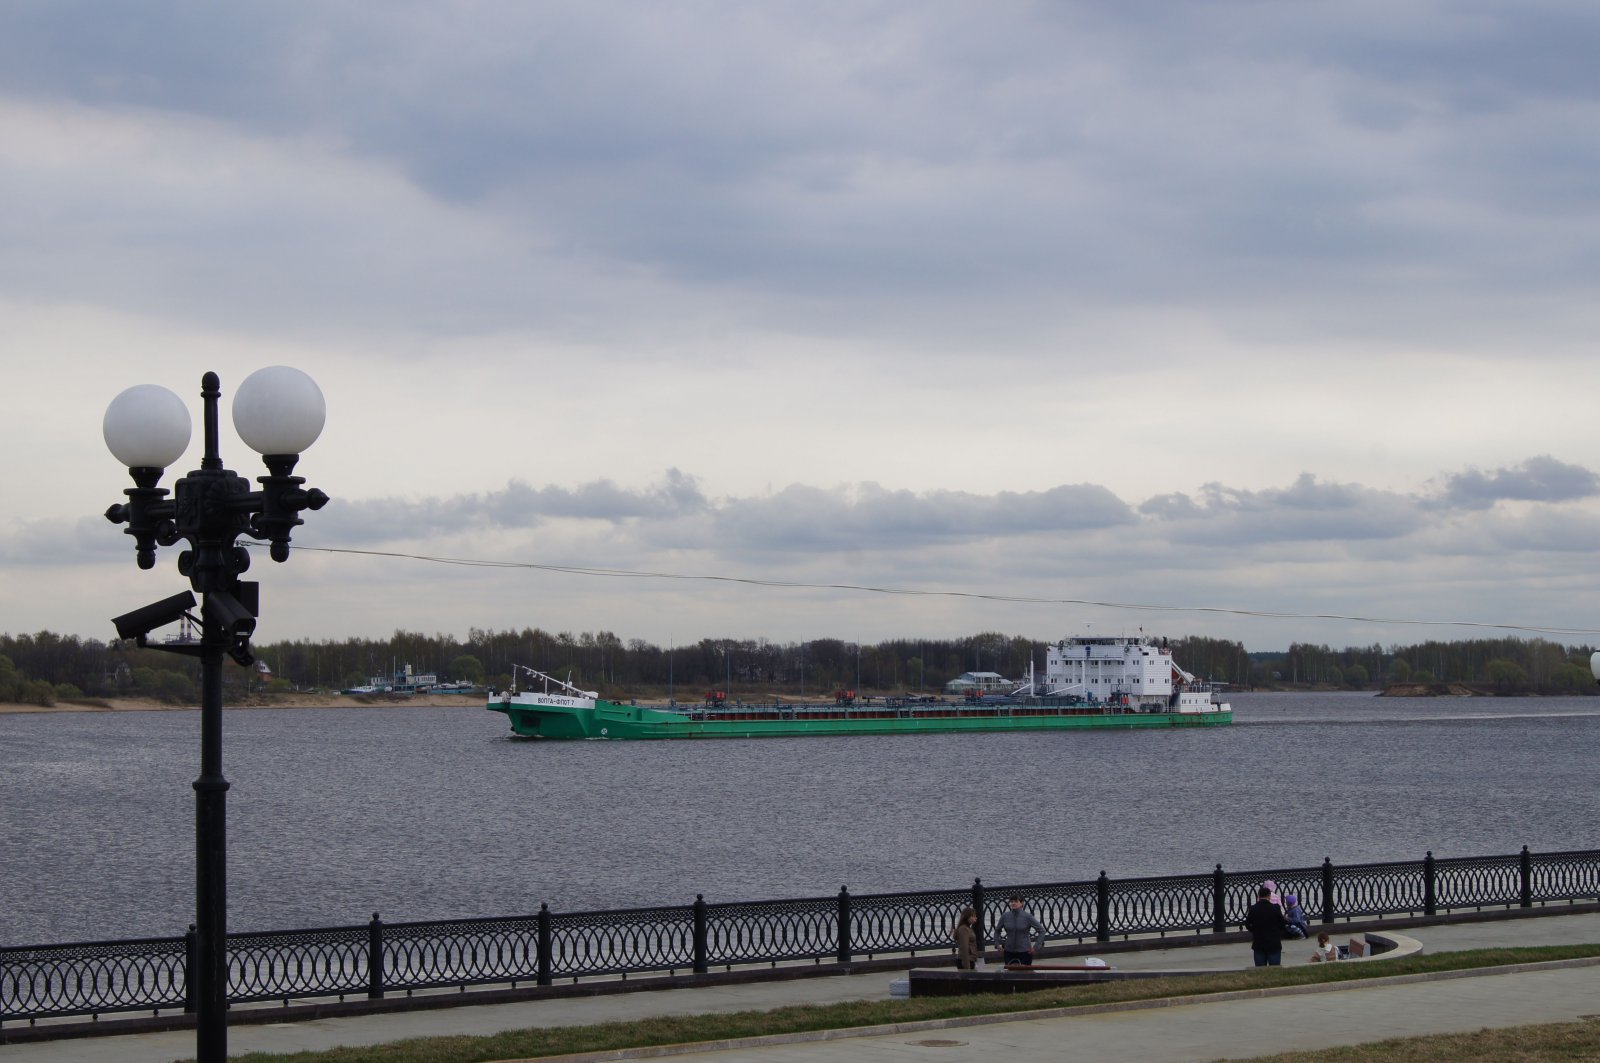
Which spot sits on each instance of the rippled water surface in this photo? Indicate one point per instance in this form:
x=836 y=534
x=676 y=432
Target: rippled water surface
x=425 y=813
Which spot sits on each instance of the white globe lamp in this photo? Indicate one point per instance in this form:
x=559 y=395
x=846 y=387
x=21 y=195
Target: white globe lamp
x=146 y=427
x=279 y=410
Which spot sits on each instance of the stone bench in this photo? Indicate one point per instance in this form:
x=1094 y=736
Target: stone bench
x=949 y=981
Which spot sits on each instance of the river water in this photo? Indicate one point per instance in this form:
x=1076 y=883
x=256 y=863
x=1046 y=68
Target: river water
x=429 y=813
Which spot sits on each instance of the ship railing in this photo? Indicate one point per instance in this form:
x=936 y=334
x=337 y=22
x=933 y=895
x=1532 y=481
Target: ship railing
x=152 y=974
x=548 y=681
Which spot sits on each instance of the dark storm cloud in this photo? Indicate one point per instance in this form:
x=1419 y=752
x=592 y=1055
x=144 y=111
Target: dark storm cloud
x=1307 y=511
x=1219 y=545
x=675 y=513
x=518 y=506
x=863 y=153
x=1551 y=531
x=1310 y=510
x=1480 y=55
x=64 y=542
x=1540 y=479
x=677 y=495
x=1242 y=206
x=870 y=518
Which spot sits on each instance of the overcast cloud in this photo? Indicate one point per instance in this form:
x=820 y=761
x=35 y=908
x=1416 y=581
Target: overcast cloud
x=1273 y=308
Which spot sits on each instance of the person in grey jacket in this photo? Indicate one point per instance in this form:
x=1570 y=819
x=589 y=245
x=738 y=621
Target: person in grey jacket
x=1018 y=933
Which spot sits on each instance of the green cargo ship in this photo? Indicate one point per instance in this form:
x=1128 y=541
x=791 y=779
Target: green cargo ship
x=560 y=711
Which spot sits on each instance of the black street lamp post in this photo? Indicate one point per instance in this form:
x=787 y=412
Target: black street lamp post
x=279 y=412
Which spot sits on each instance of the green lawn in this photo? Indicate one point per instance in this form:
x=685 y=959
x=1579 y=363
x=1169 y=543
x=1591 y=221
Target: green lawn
x=1582 y=1039
x=1516 y=1044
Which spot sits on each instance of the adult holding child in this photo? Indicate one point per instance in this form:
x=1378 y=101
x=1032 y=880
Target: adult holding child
x=1267 y=926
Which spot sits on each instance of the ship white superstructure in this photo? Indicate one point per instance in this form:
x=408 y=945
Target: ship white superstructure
x=1124 y=670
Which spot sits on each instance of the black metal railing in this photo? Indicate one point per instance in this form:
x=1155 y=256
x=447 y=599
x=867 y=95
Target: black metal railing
x=151 y=974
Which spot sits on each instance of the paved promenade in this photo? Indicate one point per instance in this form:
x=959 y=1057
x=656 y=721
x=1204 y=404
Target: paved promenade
x=1215 y=1029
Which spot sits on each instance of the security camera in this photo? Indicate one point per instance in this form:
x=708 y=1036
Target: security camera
x=140 y=622
x=234 y=614
x=230 y=614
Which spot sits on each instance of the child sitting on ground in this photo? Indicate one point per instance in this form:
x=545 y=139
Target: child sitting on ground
x=1327 y=951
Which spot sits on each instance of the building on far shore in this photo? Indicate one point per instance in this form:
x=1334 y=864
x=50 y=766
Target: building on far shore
x=979 y=683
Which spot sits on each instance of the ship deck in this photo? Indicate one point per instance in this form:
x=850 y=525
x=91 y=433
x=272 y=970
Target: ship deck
x=609 y=720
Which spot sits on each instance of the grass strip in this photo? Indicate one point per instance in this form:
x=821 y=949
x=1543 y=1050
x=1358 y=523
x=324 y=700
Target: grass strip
x=1547 y=1043
x=678 y=1029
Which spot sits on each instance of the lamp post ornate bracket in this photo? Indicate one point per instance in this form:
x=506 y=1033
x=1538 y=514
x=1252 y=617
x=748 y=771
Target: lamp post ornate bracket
x=278 y=412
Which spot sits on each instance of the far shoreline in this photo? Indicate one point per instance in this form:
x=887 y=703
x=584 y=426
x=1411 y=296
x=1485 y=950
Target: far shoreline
x=290 y=701
x=256 y=701
x=478 y=701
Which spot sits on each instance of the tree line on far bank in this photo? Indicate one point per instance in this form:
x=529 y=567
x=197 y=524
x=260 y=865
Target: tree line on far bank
x=45 y=667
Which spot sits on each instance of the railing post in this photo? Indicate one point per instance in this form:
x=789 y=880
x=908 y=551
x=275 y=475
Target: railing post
x=1102 y=908
x=1430 y=886
x=701 y=951
x=977 y=906
x=1219 y=902
x=191 y=967
x=1327 y=890
x=375 y=958
x=542 y=977
x=1526 y=861
x=844 y=955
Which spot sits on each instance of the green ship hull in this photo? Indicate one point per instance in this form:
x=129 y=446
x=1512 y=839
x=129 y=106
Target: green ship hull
x=558 y=717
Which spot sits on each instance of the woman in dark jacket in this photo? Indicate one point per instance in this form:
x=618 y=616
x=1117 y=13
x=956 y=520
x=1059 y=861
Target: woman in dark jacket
x=966 y=935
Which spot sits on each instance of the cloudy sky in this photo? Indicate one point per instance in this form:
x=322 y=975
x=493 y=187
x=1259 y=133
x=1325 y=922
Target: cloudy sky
x=1219 y=308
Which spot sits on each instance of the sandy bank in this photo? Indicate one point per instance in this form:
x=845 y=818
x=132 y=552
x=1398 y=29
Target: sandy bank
x=258 y=701
x=1433 y=690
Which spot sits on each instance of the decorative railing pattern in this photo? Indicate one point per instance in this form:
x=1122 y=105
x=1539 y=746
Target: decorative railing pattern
x=297 y=963
x=1557 y=876
x=1482 y=880
x=1380 y=888
x=902 y=922
x=93 y=978
x=622 y=941
x=767 y=932
x=1067 y=909
x=460 y=952
x=1159 y=905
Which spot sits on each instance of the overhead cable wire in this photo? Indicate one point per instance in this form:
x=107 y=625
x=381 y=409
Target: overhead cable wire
x=912 y=592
